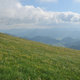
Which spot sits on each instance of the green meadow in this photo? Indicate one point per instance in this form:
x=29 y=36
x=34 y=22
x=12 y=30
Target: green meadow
x=22 y=59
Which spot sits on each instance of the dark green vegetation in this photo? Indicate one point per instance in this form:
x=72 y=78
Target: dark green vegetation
x=27 y=60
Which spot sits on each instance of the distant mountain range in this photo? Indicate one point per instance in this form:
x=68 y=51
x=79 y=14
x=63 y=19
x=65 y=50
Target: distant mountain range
x=65 y=37
x=66 y=42
x=46 y=40
x=55 y=33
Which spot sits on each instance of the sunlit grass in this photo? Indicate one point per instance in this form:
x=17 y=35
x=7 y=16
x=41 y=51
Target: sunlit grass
x=26 y=60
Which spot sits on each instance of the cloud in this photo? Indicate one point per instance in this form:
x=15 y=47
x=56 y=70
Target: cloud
x=77 y=0
x=13 y=14
x=48 y=0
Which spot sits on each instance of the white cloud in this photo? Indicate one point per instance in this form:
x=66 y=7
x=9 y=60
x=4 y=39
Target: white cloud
x=48 y=0
x=13 y=14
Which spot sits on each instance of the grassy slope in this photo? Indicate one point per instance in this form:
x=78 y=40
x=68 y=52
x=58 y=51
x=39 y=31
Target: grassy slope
x=26 y=60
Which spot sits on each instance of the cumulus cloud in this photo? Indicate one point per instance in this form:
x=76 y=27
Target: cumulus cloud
x=13 y=14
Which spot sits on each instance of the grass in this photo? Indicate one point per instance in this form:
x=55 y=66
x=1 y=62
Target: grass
x=27 y=60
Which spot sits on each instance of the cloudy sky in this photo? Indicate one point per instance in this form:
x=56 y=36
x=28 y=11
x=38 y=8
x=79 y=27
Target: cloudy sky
x=39 y=13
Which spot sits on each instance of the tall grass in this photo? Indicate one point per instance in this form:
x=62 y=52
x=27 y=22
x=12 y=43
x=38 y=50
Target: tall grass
x=27 y=60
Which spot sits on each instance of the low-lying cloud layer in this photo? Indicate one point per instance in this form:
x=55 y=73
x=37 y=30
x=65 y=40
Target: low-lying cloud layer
x=13 y=13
